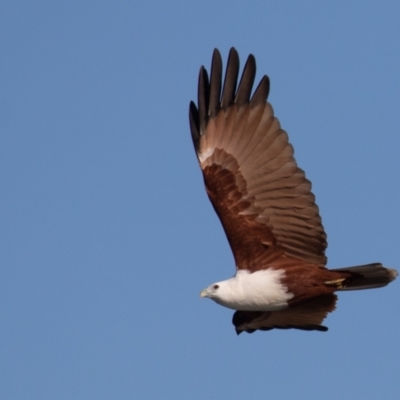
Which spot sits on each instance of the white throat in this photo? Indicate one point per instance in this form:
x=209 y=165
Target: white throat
x=258 y=291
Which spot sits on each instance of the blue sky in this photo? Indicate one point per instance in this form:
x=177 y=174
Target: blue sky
x=107 y=236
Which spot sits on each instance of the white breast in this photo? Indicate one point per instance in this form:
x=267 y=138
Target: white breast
x=257 y=291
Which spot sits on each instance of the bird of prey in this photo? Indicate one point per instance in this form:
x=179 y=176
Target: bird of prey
x=266 y=208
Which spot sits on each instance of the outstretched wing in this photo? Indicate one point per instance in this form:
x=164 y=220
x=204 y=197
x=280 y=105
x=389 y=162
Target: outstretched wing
x=306 y=316
x=262 y=198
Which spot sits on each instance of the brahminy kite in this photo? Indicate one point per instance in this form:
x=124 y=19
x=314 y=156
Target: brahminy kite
x=266 y=207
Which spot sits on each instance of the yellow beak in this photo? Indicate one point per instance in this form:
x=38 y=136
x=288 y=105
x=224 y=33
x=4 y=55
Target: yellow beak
x=204 y=293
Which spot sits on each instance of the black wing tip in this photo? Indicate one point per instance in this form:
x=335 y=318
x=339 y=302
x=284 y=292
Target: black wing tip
x=203 y=98
x=309 y=328
x=241 y=319
x=260 y=95
x=216 y=53
x=230 y=80
x=246 y=82
x=215 y=84
x=212 y=96
x=233 y=54
x=194 y=124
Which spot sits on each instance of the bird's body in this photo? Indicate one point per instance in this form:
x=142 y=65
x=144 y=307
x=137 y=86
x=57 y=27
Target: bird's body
x=266 y=207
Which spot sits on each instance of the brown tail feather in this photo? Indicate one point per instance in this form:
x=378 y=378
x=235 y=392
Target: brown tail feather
x=367 y=276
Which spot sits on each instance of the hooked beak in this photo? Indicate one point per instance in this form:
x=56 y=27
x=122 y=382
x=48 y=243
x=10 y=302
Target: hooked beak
x=204 y=293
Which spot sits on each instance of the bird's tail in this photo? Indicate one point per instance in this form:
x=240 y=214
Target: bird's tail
x=367 y=276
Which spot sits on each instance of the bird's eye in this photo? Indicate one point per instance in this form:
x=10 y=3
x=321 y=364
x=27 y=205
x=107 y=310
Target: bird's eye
x=215 y=287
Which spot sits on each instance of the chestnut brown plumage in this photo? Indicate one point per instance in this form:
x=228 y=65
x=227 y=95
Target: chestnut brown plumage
x=264 y=200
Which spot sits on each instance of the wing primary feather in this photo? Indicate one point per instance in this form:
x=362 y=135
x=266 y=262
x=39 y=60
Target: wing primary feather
x=215 y=84
x=203 y=99
x=261 y=94
x=231 y=76
x=194 y=125
x=247 y=81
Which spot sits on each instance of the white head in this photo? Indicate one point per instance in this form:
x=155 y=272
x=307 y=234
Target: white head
x=223 y=293
x=211 y=291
